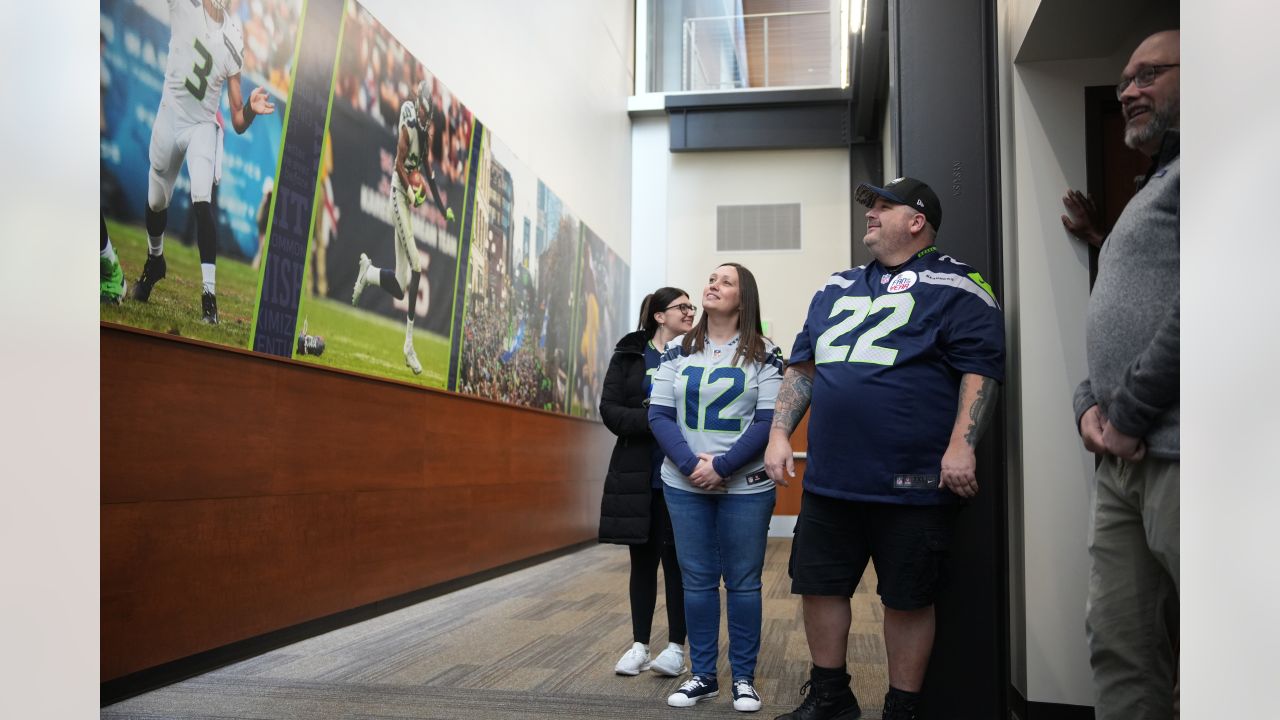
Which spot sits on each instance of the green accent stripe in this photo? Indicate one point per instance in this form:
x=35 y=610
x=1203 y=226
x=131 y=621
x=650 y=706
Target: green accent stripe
x=459 y=339
x=977 y=278
x=575 y=329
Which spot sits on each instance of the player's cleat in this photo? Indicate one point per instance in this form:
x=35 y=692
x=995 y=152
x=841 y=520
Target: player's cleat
x=209 y=308
x=361 y=272
x=112 y=284
x=411 y=358
x=152 y=273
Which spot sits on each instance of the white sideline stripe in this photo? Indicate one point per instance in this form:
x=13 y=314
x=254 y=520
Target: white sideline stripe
x=958 y=281
x=842 y=282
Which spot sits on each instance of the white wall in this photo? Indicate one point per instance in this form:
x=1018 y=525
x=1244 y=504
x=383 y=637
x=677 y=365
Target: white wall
x=650 y=166
x=549 y=78
x=817 y=179
x=1052 y=296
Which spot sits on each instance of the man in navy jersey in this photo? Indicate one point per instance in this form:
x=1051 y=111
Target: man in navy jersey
x=898 y=363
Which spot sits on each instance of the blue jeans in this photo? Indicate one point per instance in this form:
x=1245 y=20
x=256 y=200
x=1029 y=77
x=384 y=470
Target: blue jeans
x=721 y=535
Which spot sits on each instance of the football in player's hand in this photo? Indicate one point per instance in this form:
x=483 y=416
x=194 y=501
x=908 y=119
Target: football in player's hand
x=417 y=187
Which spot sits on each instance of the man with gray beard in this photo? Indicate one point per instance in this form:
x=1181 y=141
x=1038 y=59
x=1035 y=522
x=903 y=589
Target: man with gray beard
x=1127 y=411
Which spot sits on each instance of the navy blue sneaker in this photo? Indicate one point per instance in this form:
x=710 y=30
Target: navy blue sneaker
x=745 y=697
x=694 y=690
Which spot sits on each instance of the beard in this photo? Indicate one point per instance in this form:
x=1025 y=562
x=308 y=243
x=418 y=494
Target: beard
x=1159 y=121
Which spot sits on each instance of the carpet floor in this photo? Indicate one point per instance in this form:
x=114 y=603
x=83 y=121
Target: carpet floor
x=537 y=643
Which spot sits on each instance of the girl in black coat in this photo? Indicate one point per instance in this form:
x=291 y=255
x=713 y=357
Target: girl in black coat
x=633 y=512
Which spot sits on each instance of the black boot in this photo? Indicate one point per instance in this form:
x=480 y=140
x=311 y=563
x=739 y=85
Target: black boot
x=826 y=700
x=900 y=705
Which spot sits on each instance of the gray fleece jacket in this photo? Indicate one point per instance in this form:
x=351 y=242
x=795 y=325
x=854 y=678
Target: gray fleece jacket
x=1132 y=338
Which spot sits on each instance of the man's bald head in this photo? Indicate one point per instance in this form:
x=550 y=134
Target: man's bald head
x=1150 y=111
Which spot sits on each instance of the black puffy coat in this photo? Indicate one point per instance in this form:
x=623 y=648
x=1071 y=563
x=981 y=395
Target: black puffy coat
x=624 y=509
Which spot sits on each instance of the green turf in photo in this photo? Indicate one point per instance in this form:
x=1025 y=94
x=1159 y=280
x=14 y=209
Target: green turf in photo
x=366 y=343
x=174 y=306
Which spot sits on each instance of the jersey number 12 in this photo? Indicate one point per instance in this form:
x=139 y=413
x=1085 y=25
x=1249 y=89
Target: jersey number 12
x=698 y=418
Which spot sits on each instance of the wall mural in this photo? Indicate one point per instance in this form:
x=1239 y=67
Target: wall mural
x=326 y=197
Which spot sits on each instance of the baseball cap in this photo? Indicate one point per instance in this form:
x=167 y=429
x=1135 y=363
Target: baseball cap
x=905 y=191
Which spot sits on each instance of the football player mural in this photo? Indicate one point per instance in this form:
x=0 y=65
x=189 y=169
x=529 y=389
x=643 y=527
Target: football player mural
x=176 y=77
x=482 y=280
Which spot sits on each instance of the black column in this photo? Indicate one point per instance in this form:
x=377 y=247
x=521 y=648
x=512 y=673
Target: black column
x=944 y=74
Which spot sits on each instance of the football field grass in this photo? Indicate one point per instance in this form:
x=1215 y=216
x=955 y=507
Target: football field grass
x=174 y=306
x=366 y=343
x=355 y=340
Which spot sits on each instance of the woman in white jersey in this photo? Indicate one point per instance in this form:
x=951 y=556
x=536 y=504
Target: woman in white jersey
x=711 y=407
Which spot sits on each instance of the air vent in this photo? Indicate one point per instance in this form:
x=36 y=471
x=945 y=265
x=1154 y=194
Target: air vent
x=757 y=227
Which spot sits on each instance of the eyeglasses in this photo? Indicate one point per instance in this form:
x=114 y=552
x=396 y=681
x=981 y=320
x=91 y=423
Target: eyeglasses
x=1143 y=78
x=683 y=307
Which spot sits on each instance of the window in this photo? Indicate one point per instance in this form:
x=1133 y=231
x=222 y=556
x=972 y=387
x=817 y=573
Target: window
x=727 y=45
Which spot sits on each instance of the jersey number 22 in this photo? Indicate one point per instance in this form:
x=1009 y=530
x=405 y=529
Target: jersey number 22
x=865 y=349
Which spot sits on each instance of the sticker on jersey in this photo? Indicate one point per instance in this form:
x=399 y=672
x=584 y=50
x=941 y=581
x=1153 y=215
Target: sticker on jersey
x=915 y=482
x=904 y=281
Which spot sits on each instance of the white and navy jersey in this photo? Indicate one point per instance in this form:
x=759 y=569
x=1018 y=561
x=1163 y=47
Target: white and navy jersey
x=889 y=350
x=417 y=158
x=715 y=402
x=203 y=53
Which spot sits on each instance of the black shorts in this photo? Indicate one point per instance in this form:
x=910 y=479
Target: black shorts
x=908 y=543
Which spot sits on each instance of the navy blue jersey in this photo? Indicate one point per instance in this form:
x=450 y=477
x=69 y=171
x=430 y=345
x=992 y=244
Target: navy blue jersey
x=889 y=350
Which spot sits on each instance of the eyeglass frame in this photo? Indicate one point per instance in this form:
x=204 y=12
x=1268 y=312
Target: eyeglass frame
x=1154 y=71
x=693 y=309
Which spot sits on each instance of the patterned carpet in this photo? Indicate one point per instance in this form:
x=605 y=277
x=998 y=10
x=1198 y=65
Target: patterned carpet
x=538 y=643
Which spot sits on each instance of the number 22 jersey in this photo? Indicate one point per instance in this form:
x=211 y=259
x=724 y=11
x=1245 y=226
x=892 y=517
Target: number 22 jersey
x=889 y=350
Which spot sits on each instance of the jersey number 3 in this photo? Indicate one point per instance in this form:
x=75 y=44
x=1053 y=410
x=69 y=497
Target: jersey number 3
x=865 y=349
x=201 y=71
x=694 y=416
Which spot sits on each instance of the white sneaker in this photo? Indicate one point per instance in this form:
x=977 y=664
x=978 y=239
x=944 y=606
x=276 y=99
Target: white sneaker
x=633 y=661
x=745 y=698
x=411 y=358
x=670 y=662
x=361 y=272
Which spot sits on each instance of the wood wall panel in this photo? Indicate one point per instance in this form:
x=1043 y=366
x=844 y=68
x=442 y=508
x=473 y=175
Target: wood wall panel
x=244 y=494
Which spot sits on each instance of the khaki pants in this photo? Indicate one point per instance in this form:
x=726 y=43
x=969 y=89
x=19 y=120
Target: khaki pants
x=1132 y=614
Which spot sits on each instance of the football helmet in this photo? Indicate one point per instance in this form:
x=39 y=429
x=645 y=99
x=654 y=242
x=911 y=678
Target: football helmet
x=425 y=110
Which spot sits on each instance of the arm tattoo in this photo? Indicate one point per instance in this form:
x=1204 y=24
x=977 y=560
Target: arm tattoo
x=793 y=401
x=980 y=412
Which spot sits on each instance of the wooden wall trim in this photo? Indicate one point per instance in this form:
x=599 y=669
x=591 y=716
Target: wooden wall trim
x=242 y=494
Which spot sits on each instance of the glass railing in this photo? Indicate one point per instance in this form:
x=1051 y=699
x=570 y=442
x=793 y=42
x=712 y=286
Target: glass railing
x=765 y=50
